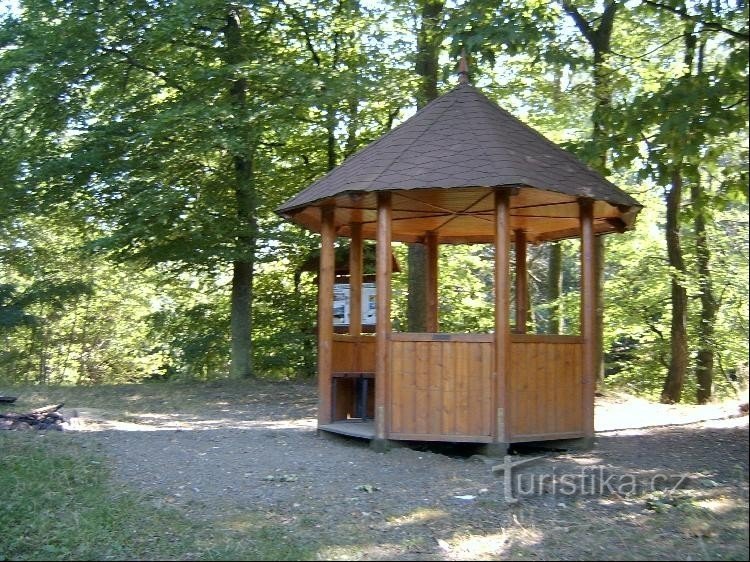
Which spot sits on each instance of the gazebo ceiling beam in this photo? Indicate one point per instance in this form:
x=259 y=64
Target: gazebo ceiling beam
x=423 y=202
x=465 y=212
x=397 y=219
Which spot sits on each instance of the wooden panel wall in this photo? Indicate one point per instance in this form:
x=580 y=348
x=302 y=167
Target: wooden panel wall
x=440 y=389
x=353 y=354
x=545 y=388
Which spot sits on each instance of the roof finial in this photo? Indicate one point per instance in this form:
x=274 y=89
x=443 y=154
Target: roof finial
x=463 y=69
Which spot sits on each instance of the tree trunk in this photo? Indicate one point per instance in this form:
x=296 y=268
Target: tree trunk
x=245 y=201
x=429 y=37
x=678 y=363
x=600 y=41
x=242 y=281
x=704 y=364
x=554 y=289
x=672 y=391
x=331 y=123
x=555 y=321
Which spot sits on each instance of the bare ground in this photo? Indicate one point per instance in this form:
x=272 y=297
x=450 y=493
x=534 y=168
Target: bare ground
x=659 y=483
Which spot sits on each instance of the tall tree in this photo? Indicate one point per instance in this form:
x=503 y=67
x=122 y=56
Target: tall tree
x=677 y=123
x=597 y=31
x=704 y=361
x=148 y=116
x=237 y=54
x=430 y=35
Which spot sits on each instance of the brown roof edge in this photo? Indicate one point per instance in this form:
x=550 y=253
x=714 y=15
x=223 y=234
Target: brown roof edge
x=461 y=139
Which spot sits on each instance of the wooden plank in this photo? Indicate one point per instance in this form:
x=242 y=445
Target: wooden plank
x=542 y=389
x=435 y=396
x=572 y=364
x=355 y=279
x=555 y=377
x=588 y=314
x=462 y=387
x=368 y=354
x=361 y=338
x=353 y=429
x=344 y=356
x=443 y=437
x=383 y=312
x=574 y=423
x=578 y=388
x=547 y=338
x=473 y=365
x=417 y=397
x=421 y=387
x=539 y=389
x=514 y=379
x=501 y=407
x=431 y=281
x=325 y=314
x=520 y=438
x=449 y=391
x=475 y=377
x=397 y=397
x=519 y=384
x=487 y=380
x=424 y=336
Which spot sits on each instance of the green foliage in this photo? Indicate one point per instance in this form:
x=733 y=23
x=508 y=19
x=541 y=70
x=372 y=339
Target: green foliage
x=119 y=209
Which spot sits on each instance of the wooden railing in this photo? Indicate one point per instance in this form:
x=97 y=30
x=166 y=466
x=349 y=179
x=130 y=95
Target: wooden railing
x=440 y=387
x=545 y=387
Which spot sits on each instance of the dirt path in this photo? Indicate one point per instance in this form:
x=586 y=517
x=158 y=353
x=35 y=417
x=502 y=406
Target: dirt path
x=243 y=460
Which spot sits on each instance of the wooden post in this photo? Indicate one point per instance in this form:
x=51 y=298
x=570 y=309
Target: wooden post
x=522 y=281
x=325 y=314
x=502 y=322
x=355 y=280
x=431 y=241
x=588 y=314
x=383 y=313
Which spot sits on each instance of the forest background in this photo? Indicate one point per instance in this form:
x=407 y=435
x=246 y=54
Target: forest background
x=146 y=144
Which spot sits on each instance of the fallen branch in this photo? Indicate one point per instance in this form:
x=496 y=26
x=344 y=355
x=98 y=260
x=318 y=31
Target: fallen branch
x=46 y=417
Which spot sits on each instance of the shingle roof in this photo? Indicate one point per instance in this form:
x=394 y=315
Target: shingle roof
x=461 y=139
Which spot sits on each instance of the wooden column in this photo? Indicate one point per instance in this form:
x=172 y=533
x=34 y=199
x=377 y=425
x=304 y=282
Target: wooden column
x=522 y=281
x=383 y=313
x=588 y=313
x=431 y=241
x=355 y=280
x=501 y=433
x=325 y=314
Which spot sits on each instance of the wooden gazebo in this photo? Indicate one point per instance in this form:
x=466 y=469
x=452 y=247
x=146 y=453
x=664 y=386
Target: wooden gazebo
x=459 y=171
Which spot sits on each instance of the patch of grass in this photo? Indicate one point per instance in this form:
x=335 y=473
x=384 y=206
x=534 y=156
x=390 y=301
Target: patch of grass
x=59 y=504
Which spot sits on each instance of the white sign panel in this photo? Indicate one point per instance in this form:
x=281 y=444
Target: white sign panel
x=342 y=304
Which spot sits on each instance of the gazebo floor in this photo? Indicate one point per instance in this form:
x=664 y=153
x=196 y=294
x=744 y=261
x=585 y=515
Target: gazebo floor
x=353 y=428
